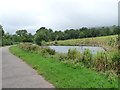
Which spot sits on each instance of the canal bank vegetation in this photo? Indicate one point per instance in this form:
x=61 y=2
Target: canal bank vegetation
x=73 y=69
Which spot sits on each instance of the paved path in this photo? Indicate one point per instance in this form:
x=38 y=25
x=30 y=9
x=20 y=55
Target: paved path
x=17 y=74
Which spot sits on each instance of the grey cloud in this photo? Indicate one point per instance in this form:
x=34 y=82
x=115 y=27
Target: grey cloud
x=60 y=14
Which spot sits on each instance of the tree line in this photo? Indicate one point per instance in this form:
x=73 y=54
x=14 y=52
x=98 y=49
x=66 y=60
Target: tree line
x=44 y=35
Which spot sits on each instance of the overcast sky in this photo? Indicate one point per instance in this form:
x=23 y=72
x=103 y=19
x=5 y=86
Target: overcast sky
x=57 y=14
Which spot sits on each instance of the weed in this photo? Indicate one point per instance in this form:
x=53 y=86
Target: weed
x=87 y=58
x=74 y=55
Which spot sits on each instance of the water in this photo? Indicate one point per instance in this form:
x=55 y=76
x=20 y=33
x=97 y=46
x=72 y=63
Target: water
x=64 y=49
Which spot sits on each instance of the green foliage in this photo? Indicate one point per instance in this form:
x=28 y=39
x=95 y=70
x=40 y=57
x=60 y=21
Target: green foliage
x=37 y=49
x=1 y=31
x=30 y=47
x=74 y=55
x=63 y=75
x=21 y=32
x=43 y=43
x=56 y=42
x=87 y=57
x=116 y=57
x=7 y=39
x=116 y=61
x=42 y=34
x=112 y=42
x=20 y=36
x=48 y=50
x=37 y=39
x=62 y=56
x=23 y=36
x=101 y=61
x=1 y=35
x=7 y=42
x=48 y=35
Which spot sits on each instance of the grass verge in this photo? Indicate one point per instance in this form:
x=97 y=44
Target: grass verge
x=63 y=75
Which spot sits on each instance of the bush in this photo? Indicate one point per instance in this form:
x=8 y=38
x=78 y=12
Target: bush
x=61 y=56
x=37 y=40
x=30 y=47
x=43 y=43
x=116 y=61
x=74 y=55
x=26 y=46
x=87 y=57
x=101 y=61
x=49 y=50
x=6 y=42
x=116 y=57
x=37 y=49
x=56 y=43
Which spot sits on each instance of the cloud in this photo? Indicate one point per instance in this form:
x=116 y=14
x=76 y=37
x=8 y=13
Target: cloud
x=57 y=14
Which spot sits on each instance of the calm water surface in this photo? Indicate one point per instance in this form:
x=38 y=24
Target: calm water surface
x=64 y=49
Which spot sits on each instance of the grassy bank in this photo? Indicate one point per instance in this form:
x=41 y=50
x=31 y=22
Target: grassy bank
x=63 y=75
x=107 y=42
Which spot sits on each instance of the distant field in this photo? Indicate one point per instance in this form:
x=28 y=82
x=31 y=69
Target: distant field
x=108 y=42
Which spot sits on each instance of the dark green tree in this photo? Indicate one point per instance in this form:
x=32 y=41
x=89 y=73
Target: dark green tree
x=42 y=34
x=23 y=36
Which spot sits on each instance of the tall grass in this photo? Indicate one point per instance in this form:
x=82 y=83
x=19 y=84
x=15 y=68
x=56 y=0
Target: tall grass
x=100 y=62
x=37 y=49
x=74 y=55
x=87 y=58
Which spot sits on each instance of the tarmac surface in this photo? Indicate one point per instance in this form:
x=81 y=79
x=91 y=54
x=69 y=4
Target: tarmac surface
x=17 y=74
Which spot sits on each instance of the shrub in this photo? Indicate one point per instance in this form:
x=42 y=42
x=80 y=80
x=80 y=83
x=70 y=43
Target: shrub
x=6 y=42
x=56 y=43
x=116 y=61
x=46 y=51
x=116 y=57
x=35 y=48
x=25 y=46
x=112 y=42
x=49 y=50
x=43 y=43
x=87 y=57
x=61 y=56
x=37 y=39
x=101 y=61
x=29 y=47
x=74 y=55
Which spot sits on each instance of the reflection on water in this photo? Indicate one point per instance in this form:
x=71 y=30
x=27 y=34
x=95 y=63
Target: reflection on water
x=64 y=49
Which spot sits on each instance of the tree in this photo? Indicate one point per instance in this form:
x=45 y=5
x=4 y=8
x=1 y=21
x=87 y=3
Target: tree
x=29 y=37
x=1 y=34
x=43 y=34
x=7 y=39
x=1 y=31
x=21 y=32
x=23 y=36
x=115 y=29
x=37 y=39
x=58 y=35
